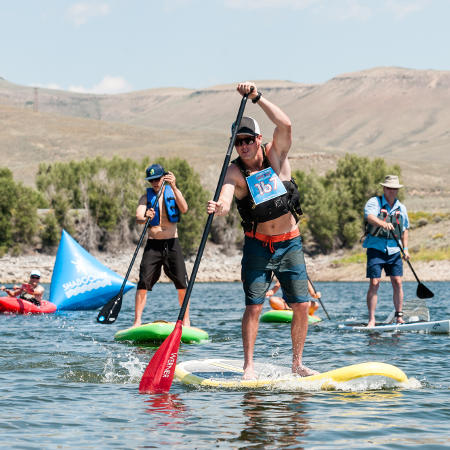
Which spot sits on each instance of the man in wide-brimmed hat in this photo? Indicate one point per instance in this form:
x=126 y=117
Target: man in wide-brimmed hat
x=386 y=216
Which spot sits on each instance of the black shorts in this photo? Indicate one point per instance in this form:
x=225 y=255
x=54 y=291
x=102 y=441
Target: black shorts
x=30 y=298
x=164 y=253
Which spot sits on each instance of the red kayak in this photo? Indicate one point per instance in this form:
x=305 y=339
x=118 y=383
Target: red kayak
x=13 y=305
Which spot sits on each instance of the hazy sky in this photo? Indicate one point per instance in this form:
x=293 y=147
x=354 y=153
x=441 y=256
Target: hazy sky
x=110 y=46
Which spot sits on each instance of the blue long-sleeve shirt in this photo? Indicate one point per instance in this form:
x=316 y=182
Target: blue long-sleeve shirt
x=383 y=244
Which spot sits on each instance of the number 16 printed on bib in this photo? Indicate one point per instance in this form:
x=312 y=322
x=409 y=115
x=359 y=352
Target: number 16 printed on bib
x=265 y=185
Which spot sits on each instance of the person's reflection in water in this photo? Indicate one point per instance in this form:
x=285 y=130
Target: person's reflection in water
x=384 y=338
x=271 y=421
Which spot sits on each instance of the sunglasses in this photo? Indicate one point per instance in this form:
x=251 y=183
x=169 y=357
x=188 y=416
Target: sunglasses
x=246 y=141
x=35 y=277
x=155 y=180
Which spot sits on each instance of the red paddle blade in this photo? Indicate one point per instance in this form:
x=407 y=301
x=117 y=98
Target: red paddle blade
x=158 y=375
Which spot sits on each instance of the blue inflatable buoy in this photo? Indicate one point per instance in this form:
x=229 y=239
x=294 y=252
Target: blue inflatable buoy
x=80 y=281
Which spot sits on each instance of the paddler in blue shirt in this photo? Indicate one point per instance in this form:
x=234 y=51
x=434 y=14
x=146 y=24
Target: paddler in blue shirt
x=385 y=215
x=268 y=202
x=163 y=249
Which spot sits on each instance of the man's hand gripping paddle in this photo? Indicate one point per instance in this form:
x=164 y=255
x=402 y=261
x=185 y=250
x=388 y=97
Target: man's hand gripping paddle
x=158 y=375
x=108 y=314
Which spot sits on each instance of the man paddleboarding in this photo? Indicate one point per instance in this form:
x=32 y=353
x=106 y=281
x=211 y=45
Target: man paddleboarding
x=385 y=216
x=268 y=202
x=163 y=249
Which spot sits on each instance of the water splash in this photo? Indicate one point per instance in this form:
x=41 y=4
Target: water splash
x=133 y=369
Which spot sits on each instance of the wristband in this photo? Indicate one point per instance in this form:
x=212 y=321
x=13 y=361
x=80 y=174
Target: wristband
x=256 y=99
x=405 y=248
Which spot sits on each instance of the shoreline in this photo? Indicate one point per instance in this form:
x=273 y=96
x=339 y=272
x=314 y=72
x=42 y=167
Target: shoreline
x=16 y=269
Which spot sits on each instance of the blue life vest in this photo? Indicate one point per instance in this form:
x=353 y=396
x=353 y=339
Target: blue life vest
x=173 y=213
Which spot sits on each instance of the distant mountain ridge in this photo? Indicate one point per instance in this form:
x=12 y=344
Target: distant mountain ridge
x=400 y=114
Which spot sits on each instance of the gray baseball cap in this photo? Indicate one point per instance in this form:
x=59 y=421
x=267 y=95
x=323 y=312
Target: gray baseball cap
x=248 y=126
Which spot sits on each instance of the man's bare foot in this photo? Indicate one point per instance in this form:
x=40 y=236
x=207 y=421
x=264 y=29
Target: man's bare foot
x=249 y=374
x=371 y=324
x=186 y=323
x=136 y=324
x=303 y=371
x=400 y=320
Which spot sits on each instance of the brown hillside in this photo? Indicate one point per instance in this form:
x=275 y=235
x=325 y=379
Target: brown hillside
x=399 y=114
x=28 y=138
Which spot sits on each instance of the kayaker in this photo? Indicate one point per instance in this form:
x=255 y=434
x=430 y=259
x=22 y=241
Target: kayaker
x=385 y=215
x=163 y=249
x=31 y=291
x=268 y=201
x=280 y=304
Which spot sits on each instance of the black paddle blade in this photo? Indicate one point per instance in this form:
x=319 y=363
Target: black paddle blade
x=110 y=311
x=423 y=291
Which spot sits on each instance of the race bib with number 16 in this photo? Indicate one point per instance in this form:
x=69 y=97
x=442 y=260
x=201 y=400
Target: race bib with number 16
x=265 y=185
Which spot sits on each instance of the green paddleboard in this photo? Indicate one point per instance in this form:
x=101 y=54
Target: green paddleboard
x=284 y=315
x=158 y=331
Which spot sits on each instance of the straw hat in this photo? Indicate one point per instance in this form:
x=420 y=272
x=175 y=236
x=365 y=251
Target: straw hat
x=391 y=181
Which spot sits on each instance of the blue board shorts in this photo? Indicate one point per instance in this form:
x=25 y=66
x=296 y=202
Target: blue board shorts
x=286 y=261
x=378 y=260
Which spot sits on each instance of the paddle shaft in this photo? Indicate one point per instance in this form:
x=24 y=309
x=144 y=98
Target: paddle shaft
x=111 y=310
x=320 y=300
x=211 y=216
x=422 y=290
x=158 y=375
x=403 y=253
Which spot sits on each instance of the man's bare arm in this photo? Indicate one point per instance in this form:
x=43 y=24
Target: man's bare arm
x=282 y=135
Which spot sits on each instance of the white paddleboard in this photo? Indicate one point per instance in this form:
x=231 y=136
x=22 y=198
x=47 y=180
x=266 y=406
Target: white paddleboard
x=440 y=326
x=227 y=374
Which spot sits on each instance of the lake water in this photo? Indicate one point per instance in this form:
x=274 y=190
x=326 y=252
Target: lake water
x=65 y=382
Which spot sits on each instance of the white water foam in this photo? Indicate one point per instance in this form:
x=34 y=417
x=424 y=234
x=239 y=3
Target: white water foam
x=133 y=368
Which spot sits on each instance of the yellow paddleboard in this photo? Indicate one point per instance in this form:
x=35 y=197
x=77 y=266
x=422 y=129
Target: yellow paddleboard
x=227 y=374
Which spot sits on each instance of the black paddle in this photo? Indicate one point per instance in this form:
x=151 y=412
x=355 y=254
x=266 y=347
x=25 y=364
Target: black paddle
x=110 y=311
x=320 y=300
x=422 y=290
x=158 y=375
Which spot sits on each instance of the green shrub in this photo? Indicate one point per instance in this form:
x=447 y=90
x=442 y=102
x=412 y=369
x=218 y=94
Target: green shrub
x=110 y=191
x=18 y=213
x=7 y=195
x=50 y=231
x=334 y=204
